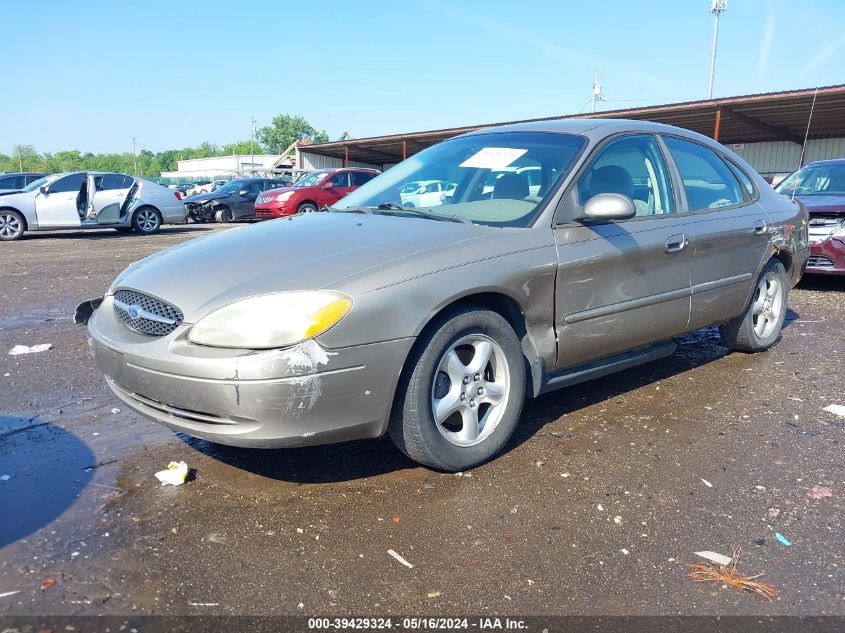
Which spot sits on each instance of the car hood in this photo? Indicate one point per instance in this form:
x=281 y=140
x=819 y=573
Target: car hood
x=310 y=251
x=8 y=192
x=206 y=197
x=823 y=204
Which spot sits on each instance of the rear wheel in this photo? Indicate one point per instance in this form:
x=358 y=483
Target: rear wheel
x=146 y=221
x=307 y=207
x=461 y=393
x=759 y=327
x=11 y=225
x=223 y=215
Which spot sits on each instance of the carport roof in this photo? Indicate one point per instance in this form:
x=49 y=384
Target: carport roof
x=772 y=116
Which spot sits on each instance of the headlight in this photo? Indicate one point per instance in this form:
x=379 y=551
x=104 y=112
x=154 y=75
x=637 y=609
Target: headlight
x=284 y=196
x=274 y=320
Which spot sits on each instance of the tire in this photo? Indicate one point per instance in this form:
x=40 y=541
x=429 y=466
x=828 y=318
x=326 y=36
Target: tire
x=307 y=207
x=223 y=215
x=146 y=221
x=408 y=205
x=11 y=225
x=457 y=366
x=759 y=327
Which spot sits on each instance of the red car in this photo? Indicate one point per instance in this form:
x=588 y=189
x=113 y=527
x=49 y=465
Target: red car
x=312 y=192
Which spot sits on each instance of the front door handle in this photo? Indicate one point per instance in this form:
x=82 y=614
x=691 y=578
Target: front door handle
x=676 y=243
x=760 y=227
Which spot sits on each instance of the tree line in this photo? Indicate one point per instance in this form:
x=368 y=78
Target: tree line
x=272 y=139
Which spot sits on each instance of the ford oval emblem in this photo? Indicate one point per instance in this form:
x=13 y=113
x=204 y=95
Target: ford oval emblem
x=134 y=312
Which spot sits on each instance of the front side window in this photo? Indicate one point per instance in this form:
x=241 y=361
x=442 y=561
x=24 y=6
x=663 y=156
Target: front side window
x=708 y=182
x=340 y=180
x=233 y=186
x=632 y=166
x=501 y=178
x=73 y=182
x=814 y=180
x=311 y=180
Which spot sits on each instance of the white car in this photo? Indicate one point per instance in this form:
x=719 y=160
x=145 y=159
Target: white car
x=426 y=193
x=89 y=200
x=206 y=187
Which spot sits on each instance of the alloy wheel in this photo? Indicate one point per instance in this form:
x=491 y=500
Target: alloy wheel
x=147 y=220
x=767 y=305
x=10 y=225
x=470 y=389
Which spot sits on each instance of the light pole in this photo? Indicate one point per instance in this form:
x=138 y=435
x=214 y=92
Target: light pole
x=134 y=157
x=717 y=7
x=252 y=147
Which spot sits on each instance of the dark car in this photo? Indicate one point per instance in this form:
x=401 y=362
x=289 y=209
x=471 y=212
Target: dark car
x=233 y=201
x=16 y=182
x=820 y=187
x=312 y=192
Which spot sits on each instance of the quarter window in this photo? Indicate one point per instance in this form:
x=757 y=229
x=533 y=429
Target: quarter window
x=632 y=166
x=708 y=181
x=114 y=181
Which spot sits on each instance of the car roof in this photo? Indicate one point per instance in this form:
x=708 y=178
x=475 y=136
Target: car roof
x=829 y=161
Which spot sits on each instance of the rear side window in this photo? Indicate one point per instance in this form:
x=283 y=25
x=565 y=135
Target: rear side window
x=12 y=182
x=708 y=181
x=68 y=183
x=744 y=179
x=361 y=177
x=115 y=181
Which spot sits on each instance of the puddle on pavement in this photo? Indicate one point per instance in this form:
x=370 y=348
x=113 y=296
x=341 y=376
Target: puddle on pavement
x=36 y=316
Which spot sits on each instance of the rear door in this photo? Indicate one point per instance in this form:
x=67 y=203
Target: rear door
x=359 y=178
x=110 y=193
x=65 y=203
x=729 y=233
x=624 y=284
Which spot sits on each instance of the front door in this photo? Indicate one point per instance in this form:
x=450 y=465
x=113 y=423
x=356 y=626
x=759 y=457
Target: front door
x=621 y=285
x=110 y=193
x=244 y=206
x=65 y=202
x=730 y=237
x=333 y=189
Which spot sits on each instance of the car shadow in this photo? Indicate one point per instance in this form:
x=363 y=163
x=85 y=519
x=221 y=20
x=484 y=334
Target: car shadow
x=367 y=458
x=110 y=233
x=44 y=470
x=822 y=283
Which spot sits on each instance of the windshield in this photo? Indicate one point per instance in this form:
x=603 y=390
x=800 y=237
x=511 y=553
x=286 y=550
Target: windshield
x=493 y=178
x=311 y=180
x=233 y=186
x=813 y=180
x=35 y=184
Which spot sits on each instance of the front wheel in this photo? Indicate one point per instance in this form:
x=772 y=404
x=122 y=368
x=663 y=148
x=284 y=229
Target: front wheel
x=11 y=225
x=307 y=207
x=759 y=327
x=461 y=392
x=223 y=215
x=146 y=221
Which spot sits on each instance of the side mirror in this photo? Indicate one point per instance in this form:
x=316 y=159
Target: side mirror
x=243 y=192
x=44 y=189
x=609 y=206
x=328 y=185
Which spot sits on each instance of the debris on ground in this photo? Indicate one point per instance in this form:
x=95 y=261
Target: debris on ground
x=782 y=539
x=774 y=513
x=115 y=410
x=836 y=409
x=204 y=604
x=47 y=583
x=728 y=575
x=175 y=474
x=434 y=594
x=715 y=557
x=819 y=492
x=9 y=593
x=400 y=559
x=17 y=350
x=396 y=519
x=706 y=483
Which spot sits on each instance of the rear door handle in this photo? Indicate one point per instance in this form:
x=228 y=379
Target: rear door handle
x=676 y=243
x=760 y=227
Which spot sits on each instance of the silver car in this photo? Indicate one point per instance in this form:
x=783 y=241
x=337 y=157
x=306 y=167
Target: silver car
x=434 y=323
x=88 y=200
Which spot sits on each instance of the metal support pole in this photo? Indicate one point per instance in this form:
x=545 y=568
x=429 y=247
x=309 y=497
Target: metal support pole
x=713 y=54
x=718 y=123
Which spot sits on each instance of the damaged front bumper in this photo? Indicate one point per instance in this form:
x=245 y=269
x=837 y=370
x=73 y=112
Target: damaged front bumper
x=298 y=396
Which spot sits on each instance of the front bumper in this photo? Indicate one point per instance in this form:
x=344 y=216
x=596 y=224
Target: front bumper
x=827 y=257
x=298 y=396
x=267 y=211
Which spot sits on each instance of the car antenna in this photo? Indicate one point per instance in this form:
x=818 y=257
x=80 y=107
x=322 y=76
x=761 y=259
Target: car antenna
x=804 y=144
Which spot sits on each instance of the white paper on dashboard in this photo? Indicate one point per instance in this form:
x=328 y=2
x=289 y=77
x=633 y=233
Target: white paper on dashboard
x=493 y=158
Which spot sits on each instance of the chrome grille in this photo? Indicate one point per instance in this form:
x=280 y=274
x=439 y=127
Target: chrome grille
x=146 y=314
x=820 y=261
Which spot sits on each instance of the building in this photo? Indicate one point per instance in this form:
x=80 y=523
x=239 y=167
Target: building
x=225 y=167
x=768 y=130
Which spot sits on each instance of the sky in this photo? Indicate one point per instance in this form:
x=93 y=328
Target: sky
x=93 y=75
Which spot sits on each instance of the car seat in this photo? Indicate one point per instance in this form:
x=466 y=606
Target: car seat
x=511 y=186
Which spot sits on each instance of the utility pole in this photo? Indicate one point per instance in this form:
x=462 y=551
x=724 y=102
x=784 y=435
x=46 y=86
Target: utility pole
x=252 y=162
x=20 y=159
x=134 y=159
x=717 y=7
x=597 y=94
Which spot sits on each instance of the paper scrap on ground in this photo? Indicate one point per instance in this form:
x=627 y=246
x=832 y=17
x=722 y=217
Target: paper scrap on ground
x=400 y=559
x=175 y=474
x=836 y=409
x=707 y=483
x=782 y=539
x=719 y=559
x=17 y=350
x=493 y=157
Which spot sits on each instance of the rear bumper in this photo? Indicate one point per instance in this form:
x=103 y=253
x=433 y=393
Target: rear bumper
x=298 y=396
x=827 y=257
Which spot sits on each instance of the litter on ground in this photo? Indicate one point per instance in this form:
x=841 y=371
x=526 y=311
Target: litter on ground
x=836 y=409
x=819 y=492
x=9 y=593
x=706 y=483
x=782 y=539
x=115 y=410
x=714 y=557
x=17 y=350
x=728 y=575
x=175 y=474
x=400 y=559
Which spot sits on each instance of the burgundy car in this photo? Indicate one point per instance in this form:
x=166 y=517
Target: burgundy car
x=820 y=186
x=312 y=192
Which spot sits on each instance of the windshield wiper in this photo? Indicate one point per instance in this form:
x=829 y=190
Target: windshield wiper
x=392 y=206
x=368 y=210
